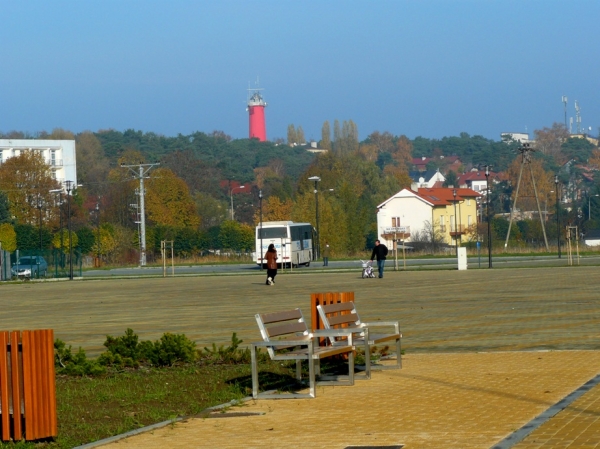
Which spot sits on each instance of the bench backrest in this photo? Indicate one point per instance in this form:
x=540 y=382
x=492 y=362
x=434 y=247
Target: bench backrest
x=284 y=325
x=341 y=315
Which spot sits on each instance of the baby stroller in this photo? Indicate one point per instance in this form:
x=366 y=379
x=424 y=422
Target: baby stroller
x=367 y=266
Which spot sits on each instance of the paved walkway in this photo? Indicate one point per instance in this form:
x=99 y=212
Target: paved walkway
x=437 y=400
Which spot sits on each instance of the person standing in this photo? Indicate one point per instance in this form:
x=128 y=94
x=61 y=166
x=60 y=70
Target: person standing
x=271 y=264
x=380 y=252
x=326 y=255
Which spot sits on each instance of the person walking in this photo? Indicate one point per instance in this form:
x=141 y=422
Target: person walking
x=380 y=252
x=326 y=255
x=271 y=264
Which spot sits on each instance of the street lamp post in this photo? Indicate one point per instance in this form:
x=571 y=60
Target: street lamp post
x=487 y=200
x=231 y=197
x=98 y=239
x=60 y=227
x=317 y=245
x=590 y=205
x=455 y=226
x=69 y=187
x=39 y=206
x=557 y=216
x=260 y=197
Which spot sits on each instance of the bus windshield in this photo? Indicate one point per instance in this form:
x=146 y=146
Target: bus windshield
x=272 y=233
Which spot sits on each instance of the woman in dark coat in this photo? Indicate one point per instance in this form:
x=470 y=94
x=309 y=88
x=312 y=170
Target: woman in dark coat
x=271 y=264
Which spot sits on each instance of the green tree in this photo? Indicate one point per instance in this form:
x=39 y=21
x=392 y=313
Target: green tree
x=92 y=165
x=236 y=236
x=107 y=243
x=326 y=136
x=212 y=211
x=27 y=180
x=8 y=237
x=5 y=216
x=85 y=240
x=451 y=179
x=60 y=240
x=292 y=135
x=168 y=200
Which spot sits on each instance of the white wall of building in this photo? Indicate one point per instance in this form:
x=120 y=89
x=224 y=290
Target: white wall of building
x=412 y=210
x=58 y=154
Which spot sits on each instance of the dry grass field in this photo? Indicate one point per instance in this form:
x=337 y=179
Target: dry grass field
x=439 y=311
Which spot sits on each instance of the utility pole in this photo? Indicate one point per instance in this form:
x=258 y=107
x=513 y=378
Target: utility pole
x=525 y=151
x=139 y=172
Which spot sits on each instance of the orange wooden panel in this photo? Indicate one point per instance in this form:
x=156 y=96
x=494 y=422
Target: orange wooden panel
x=40 y=395
x=326 y=299
x=51 y=384
x=27 y=352
x=4 y=387
x=17 y=382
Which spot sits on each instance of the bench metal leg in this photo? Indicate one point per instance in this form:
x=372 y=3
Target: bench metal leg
x=254 y=372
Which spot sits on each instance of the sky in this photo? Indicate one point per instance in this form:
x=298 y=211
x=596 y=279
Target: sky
x=429 y=68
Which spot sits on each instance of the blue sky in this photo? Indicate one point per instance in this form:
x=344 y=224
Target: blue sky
x=420 y=68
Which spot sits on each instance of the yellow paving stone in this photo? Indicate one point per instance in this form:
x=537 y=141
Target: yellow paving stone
x=467 y=401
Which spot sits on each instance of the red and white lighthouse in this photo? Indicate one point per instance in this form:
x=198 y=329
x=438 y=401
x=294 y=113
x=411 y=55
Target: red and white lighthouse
x=256 y=113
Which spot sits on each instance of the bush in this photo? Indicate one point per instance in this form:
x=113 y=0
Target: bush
x=74 y=364
x=226 y=355
x=127 y=351
x=172 y=348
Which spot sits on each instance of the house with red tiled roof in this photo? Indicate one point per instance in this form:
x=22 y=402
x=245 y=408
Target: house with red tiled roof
x=450 y=214
x=475 y=180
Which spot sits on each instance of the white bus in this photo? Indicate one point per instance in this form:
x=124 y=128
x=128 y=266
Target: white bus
x=293 y=242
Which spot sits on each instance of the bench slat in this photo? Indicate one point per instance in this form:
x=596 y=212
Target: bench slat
x=348 y=319
x=338 y=307
x=275 y=317
x=287 y=328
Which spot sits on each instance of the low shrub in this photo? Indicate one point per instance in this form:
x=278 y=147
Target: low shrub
x=74 y=364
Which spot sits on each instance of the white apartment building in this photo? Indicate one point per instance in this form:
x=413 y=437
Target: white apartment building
x=58 y=154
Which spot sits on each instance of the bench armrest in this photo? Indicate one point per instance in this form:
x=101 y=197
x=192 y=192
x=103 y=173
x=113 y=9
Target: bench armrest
x=383 y=323
x=281 y=343
x=334 y=333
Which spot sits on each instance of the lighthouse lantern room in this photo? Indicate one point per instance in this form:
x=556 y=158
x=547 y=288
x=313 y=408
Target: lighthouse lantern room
x=256 y=113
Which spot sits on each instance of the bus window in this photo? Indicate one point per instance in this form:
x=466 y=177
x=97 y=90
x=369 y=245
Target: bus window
x=272 y=233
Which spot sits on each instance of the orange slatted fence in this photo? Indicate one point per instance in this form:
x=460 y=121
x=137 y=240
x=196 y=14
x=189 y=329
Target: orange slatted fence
x=27 y=385
x=326 y=298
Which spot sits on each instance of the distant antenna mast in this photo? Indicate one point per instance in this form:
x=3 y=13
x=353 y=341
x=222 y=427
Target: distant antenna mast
x=570 y=125
x=564 y=100
x=578 y=117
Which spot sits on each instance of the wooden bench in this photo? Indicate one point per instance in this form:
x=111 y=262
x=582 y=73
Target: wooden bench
x=286 y=337
x=344 y=316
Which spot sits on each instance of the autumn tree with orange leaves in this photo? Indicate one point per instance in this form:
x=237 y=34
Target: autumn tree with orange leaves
x=168 y=200
x=27 y=180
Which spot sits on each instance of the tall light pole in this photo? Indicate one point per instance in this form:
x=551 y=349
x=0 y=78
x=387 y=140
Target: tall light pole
x=39 y=206
x=487 y=200
x=317 y=254
x=455 y=226
x=97 y=209
x=142 y=171
x=557 y=216
x=69 y=187
x=60 y=220
x=260 y=197
x=590 y=205
x=231 y=197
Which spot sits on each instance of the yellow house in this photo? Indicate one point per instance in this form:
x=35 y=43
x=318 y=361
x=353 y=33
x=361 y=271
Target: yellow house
x=454 y=212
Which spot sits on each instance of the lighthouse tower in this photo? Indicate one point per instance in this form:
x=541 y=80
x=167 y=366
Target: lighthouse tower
x=256 y=113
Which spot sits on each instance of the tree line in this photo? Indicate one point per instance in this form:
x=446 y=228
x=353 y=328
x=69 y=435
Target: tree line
x=189 y=194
